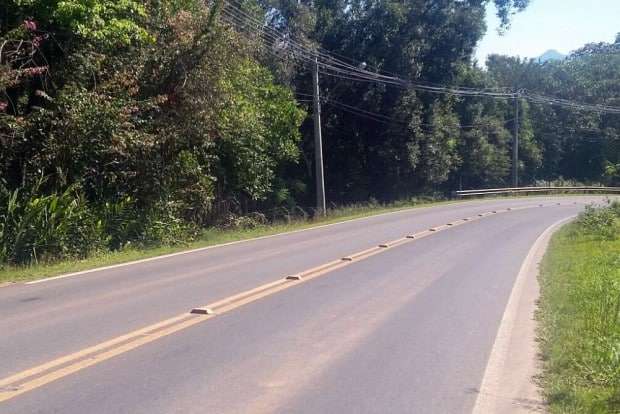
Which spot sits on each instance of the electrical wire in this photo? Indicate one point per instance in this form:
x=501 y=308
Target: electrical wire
x=381 y=117
x=329 y=65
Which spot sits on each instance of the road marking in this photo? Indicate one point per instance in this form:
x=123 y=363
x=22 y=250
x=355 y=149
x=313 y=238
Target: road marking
x=40 y=375
x=81 y=364
x=491 y=388
x=200 y=249
x=85 y=352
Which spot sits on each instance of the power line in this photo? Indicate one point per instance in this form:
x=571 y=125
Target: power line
x=311 y=50
x=387 y=119
x=360 y=111
x=375 y=116
x=337 y=68
x=332 y=66
x=365 y=114
x=570 y=104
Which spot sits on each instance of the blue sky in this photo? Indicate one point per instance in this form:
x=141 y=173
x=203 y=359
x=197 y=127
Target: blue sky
x=563 y=25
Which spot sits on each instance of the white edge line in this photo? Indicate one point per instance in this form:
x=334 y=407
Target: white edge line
x=485 y=402
x=200 y=249
x=215 y=246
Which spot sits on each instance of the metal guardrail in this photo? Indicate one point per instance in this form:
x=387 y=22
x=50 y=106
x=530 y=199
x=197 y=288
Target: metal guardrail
x=526 y=190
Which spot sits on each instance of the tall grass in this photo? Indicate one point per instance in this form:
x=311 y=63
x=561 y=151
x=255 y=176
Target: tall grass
x=120 y=225
x=36 y=228
x=580 y=315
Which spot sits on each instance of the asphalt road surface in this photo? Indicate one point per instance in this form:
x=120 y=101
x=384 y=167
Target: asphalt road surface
x=408 y=329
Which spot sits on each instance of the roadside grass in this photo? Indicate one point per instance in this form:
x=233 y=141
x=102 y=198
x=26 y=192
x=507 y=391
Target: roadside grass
x=579 y=315
x=208 y=237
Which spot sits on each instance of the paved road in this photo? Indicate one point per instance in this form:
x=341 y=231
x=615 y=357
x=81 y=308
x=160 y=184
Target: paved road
x=407 y=330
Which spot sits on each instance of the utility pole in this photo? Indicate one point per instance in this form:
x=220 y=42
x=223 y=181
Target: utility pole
x=515 y=145
x=318 y=143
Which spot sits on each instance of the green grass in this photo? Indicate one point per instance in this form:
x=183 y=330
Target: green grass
x=209 y=237
x=579 y=317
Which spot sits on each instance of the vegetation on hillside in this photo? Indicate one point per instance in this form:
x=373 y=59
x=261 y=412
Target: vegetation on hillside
x=131 y=122
x=580 y=315
x=139 y=123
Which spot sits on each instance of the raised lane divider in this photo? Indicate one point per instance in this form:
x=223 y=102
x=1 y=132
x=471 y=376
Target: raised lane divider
x=30 y=379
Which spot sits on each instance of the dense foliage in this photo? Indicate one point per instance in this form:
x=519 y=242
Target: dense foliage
x=127 y=122
x=438 y=142
x=131 y=122
x=574 y=144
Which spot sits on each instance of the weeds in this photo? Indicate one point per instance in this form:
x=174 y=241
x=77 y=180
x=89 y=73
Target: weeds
x=36 y=228
x=46 y=228
x=600 y=222
x=126 y=236
x=580 y=315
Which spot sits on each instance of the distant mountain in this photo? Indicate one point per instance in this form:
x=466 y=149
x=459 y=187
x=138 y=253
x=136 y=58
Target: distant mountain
x=550 y=54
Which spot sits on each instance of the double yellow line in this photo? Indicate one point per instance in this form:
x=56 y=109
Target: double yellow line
x=30 y=379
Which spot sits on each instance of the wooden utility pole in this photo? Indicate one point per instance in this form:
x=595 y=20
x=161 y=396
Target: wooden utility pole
x=515 y=145
x=318 y=143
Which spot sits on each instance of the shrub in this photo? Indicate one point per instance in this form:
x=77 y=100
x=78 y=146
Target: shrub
x=233 y=221
x=120 y=222
x=600 y=222
x=36 y=227
x=163 y=226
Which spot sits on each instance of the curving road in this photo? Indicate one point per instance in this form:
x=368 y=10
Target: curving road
x=408 y=329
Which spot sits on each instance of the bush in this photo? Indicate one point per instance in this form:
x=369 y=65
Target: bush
x=121 y=223
x=35 y=227
x=163 y=226
x=233 y=221
x=600 y=222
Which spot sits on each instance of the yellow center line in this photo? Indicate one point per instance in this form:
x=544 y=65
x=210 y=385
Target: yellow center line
x=97 y=358
x=56 y=369
x=87 y=351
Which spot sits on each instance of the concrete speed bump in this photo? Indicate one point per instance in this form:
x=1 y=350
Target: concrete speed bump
x=202 y=311
x=51 y=371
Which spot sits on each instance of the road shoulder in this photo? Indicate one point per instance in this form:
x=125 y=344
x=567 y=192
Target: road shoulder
x=508 y=385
